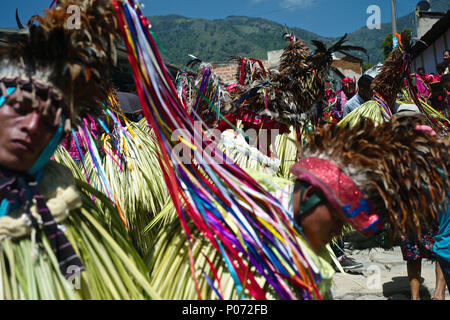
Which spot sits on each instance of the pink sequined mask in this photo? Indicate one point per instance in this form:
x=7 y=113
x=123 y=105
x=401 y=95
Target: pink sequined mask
x=341 y=192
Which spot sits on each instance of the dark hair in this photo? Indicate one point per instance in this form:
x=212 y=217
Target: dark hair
x=313 y=200
x=365 y=81
x=441 y=66
x=445 y=78
x=446 y=50
x=421 y=68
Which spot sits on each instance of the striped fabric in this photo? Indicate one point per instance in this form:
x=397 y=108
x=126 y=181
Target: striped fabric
x=14 y=190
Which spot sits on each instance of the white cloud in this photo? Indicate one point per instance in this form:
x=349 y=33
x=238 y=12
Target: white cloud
x=296 y=4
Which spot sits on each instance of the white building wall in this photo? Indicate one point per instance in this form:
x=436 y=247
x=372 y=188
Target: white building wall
x=427 y=58
x=273 y=57
x=425 y=24
x=351 y=74
x=440 y=46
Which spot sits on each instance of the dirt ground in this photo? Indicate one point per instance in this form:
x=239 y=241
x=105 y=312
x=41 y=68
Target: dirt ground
x=383 y=276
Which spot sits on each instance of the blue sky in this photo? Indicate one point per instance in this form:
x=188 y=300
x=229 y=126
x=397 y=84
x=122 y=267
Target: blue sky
x=325 y=17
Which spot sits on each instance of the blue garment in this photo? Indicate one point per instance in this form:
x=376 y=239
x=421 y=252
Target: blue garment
x=356 y=101
x=445 y=267
x=352 y=104
x=442 y=237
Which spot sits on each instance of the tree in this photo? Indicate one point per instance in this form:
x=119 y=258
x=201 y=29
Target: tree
x=386 y=46
x=366 y=66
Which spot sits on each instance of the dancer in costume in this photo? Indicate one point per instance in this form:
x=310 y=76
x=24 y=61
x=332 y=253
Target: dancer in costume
x=285 y=95
x=215 y=200
x=442 y=237
x=387 y=85
x=274 y=100
x=245 y=137
x=210 y=99
x=264 y=128
x=300 y=83
x=55 y=242
x=368 y=175
x=414 y=251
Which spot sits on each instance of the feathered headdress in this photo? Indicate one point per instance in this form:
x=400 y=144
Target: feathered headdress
x=389 y=81
x=210 y=97
x=372 y=174
x=65 y=63
x=323 y=57
x=299 y=84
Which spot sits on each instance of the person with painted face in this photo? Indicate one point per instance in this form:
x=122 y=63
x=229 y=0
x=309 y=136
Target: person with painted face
x=47 y=227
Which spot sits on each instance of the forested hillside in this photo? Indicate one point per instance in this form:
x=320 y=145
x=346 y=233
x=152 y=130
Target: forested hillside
x=217 y=40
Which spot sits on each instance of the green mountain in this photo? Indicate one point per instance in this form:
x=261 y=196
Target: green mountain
x=217 y=40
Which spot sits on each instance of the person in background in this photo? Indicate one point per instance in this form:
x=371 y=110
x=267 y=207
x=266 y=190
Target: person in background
x=446 y=56
x=445 y=84
x=342 y=96
x=421 y=83
x=364 y=94
x=440 y=68
x=442 y=245
x=130 y=104
x=413 y=252
x=432 y=78
x=347 y=263
x=76 y=148
x=421 y=72
x=70 y=145
x=348 y=90
x=440 y=95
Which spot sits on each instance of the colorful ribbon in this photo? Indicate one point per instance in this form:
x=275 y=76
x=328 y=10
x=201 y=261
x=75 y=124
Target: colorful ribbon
x=242 y=221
